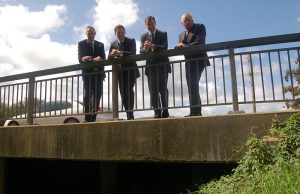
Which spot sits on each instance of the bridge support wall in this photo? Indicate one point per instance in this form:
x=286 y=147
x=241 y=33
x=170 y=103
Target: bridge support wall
x=195 y=139
x=2 y=175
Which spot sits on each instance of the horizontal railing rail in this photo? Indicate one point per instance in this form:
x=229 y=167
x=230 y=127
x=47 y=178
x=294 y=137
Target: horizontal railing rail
x=287 y=38
x=255 y=76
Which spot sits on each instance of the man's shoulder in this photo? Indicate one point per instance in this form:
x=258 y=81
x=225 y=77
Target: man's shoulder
x=82 y=41
x=199 y=25
x=144 y=34
x=161 y=31
x=115 y=42
x=98 y=42
x=129 y=39
x=182 y=33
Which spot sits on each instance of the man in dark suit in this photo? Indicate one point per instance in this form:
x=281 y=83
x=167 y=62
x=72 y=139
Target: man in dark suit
x=127 y=72
x=89 y=51
x=155 y=40
x=193 y=35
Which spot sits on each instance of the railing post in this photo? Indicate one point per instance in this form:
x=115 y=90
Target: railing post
x=251 y=75
x=30 y=101
x=233 y=80
x=115 y=104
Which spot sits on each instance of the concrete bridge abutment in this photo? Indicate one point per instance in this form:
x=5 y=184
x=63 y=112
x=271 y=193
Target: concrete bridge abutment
x=111 y=150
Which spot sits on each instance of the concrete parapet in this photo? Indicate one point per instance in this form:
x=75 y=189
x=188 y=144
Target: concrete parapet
x=192 y=139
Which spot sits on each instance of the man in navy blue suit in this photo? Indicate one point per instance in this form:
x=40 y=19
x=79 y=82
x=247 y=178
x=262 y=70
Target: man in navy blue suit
x=155 y=40
x=127 y=72
x=193 y=35
x=89 y=51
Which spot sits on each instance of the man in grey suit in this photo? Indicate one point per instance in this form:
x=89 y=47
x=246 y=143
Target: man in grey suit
x=193 y=35
x=127 y=72
x=155 y=40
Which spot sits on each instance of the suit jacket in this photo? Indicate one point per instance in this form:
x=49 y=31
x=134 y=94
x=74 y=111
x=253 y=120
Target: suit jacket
x=160 y=43
x=195 y=36
x=129 y=48
x=86 y=49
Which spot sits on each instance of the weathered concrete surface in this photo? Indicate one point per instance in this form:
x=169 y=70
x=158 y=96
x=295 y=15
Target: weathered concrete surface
x=195 y=139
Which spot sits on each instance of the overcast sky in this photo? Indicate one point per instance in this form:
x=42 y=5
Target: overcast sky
x=43 y=34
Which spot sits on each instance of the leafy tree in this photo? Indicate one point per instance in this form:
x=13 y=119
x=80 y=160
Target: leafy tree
x=13 y=110
x=2 y=117
x=295 y=90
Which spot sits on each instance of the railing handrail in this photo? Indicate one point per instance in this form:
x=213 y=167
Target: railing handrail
x=277 y=39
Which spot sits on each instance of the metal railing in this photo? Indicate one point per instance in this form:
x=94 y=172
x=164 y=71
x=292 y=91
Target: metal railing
x=249 y=71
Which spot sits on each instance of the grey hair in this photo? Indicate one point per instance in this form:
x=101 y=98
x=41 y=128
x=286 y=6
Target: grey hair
x=188 y=15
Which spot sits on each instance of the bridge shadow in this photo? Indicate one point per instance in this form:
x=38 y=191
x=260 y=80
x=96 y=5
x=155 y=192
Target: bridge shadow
x=32 y=176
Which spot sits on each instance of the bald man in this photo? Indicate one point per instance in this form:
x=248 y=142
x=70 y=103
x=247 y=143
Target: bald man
x=194 y=34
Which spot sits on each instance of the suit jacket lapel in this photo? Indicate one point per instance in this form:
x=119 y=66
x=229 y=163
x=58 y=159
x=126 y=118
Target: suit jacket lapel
x=155 y=36
x=191 y=34
x=184 y=37
x=125 y=44
x=148 y=36
x=189 y=37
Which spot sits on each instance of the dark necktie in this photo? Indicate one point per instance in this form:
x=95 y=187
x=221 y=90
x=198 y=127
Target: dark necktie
x=91 y=44
x=185 y=39
x=121 y=46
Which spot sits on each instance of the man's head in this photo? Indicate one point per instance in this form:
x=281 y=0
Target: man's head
x=90 y=33
x=187 y=21
x=150 y=23
x=120 y=32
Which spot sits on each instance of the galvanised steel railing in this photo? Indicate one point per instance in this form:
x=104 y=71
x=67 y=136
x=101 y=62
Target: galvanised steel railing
x=242 y=72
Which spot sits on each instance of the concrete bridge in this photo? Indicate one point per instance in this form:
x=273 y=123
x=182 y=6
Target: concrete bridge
x=150 y=156
x=188 y=141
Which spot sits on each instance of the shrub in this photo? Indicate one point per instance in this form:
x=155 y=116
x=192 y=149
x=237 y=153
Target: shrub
x=267 y=166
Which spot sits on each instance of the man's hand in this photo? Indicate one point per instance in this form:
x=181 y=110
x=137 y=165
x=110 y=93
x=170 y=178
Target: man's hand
x=147 y=45
x=180 y=45
x=87 y=58
x=97 y=59
x=115 y=53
